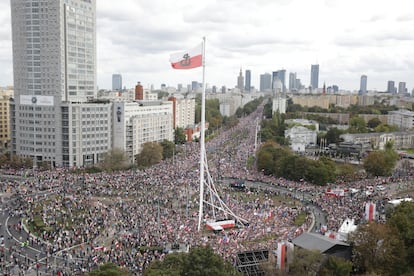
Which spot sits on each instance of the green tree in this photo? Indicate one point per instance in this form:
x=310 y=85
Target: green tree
x=357 y=125
x=373 y=123
x=378 y=248
x=402 y=219
x=200 y=261
x=172 y=265
x=179 y=136
x=168 y=149
x=332 y=135
x=109 y=269
x=386 y=128
x=336 y=266
x=320 y=172
x=375 y=164
x=150 y=154
x=381 y=163
x=305 y=262
x=115 y=160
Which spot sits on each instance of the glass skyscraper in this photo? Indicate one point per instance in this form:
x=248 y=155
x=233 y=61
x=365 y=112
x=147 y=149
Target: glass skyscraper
x=248 y=80
x=363 y=85
x=314 y=76
x=116 y=82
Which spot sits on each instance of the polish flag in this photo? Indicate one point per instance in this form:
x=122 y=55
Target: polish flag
x=192 y=58
x=370 y=211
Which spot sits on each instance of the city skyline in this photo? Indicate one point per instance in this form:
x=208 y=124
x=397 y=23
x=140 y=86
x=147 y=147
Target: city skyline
x=373 y=42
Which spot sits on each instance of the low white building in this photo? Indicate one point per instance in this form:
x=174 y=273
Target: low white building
x=303 y=122
x=402 y=118
x=138 y=122
x=300 y=137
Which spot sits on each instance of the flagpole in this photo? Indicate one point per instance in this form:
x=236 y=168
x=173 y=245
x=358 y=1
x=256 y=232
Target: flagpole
x=202 y=147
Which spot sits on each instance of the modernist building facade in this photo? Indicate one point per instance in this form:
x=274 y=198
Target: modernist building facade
x=402 y=118
x=377 y=140
x=135 y=123
x=54 y=62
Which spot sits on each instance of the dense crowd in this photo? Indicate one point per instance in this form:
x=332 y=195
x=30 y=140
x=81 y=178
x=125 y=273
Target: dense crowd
x=130 y=217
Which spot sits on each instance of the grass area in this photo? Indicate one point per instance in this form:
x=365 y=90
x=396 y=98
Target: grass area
x=300 y=219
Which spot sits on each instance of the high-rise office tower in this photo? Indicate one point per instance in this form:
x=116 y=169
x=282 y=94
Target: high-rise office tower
x=314 y=76
x=265 y=82
x=240 y=81
x=292 y=82
x=391 y=87
x=116 y=82
x=54 y=62
x=363 y=85
x=248 y=81
x=402 y=87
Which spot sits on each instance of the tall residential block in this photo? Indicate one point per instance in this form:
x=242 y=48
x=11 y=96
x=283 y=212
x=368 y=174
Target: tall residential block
x=116 y=82
x=314 y=76
x=54 y=63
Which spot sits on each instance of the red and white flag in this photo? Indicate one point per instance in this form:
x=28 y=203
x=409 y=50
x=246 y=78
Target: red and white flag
x=192 y=58
x=370 y=211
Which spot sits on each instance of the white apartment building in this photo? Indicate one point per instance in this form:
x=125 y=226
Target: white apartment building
x=54 y=62
x=86 y=133
x=184 y=112
x=300 y=137
x=135 y=123
x=402 y=118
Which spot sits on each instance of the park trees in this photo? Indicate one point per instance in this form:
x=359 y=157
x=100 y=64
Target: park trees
x=115 y=160
x=199 y=261
x=402 y=219
x=378 y=248
x=357 y=125
x=179 y=136
x=150 y=154
x=382 y=162
x=168 y=149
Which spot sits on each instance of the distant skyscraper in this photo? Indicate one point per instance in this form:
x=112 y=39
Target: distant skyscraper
x=116 y=82
x=314 y=76
x=402 y=87
x=391 y=87
x=240 y=81
x=194 y=85
x=281 y=75
x=292 y=82
x=248 y=81
x=265 y=82
x=363 y=85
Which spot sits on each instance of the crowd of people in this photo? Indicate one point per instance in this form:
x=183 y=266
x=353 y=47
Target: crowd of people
x=130 y=217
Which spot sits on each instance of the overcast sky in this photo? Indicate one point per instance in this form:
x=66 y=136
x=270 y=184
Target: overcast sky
x=346 y=38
